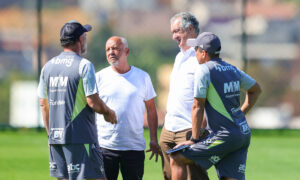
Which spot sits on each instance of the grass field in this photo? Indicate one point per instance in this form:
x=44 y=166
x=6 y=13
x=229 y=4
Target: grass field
x=273 y=155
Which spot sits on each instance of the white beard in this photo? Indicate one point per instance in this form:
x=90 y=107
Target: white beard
x=114 y=63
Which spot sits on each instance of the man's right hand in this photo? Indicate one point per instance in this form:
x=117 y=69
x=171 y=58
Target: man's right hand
x=111 y=117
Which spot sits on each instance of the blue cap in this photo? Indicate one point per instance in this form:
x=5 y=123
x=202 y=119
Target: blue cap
x=207 y=41
x=72 y=30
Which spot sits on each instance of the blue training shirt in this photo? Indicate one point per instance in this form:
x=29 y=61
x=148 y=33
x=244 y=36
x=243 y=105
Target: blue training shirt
x=221 y=83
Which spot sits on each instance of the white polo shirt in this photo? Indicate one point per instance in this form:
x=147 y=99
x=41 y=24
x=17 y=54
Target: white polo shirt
x=181 y=92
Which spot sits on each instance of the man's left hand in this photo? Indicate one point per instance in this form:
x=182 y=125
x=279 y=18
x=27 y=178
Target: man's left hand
x=155 y=148
x=184 y=143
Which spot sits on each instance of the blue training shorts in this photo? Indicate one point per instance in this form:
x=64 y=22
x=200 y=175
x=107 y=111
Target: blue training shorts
x=226 y=151
x=76 y=161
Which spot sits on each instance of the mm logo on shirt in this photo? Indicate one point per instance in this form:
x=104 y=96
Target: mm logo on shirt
x=58 y=81
x=230 y=87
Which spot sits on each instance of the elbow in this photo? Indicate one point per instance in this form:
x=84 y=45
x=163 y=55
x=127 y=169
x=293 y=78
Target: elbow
x=43 y=103
x=255 y=90
x=259 y=90
x=91 y=105
x=197 y=109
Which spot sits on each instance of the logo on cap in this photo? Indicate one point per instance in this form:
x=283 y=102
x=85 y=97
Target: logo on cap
x=206 y=41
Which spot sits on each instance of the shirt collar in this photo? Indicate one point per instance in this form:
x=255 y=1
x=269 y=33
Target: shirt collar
x=68 y=53
x=188 y=51
x=216 y=59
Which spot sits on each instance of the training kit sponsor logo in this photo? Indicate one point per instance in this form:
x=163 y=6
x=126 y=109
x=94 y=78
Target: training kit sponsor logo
x=232 y=89
x=102 y=169
x=57 y=133
x=235 y=110
x=242 y=168
x=232 y=86
x=52 y=166
x=221 y=68
x=214 y=159
x=56 y=103
x=211 y=142
x=73 y=168
x=58 y=83
x=244 y=128
x=68 y=61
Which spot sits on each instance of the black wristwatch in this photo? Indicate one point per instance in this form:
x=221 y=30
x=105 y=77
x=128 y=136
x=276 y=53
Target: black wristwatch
x=194 y=140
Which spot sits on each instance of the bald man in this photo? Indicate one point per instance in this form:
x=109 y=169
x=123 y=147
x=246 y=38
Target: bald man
x=128 y=90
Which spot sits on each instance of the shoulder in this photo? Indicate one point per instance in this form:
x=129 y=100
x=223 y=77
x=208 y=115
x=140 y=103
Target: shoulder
x=178 y=55
x=203 y=68
x=86 y=67
x=193 y=60
x=103 y=71
x=139 y=71
x=49 y=63
x=202 y=72
x=85 y=62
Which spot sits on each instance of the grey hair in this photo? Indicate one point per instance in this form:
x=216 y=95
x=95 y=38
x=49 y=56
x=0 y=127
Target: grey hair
x=124 y=41
x=187 y=19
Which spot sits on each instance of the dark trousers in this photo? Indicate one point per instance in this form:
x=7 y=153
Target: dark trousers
x=131 y=164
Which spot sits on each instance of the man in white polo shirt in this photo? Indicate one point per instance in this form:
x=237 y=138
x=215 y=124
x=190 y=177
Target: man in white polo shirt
x=178 y=120
x=128 y=91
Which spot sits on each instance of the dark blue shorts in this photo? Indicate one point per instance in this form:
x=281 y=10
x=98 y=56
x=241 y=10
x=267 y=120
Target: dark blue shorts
x=76 y=161
x=227 y=152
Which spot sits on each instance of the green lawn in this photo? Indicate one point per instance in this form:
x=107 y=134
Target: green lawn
x=272 y=155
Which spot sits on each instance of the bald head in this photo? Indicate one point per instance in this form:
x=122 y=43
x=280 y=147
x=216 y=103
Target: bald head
x=118 y=39
x=117 y=51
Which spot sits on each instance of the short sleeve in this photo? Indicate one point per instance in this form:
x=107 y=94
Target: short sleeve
x=201 y=81
x=150 y=92
x=246 y=81
x=87 y=73
x=42 y=87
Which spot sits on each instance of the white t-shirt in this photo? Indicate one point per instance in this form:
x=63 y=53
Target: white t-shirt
x=181 y=93
x=126 y=95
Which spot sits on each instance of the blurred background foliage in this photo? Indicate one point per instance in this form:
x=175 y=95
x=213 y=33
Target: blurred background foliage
x=273 y=42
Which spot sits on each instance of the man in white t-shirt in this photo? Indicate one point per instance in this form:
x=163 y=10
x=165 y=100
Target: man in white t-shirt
x=178 y=120
x=128 y=91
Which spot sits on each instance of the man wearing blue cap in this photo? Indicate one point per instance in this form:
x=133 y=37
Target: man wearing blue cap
x=68 y=99
x=217 y=93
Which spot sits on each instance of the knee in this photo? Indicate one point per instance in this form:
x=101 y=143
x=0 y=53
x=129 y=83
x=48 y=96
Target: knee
x=178 y=159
